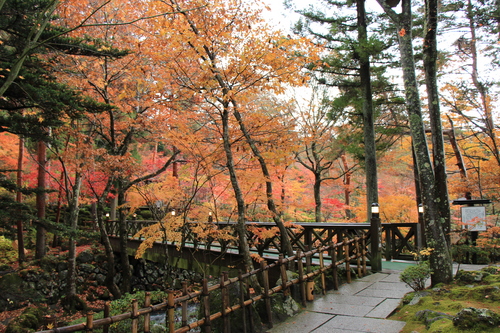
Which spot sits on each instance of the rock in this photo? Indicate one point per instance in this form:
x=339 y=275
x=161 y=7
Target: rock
x=85 y=257
x=100 y=278
x=418 y=296
x=429 y=316
x=471 y=276
x=87 y=268
x=289 y=307
x=479 y=319
x=62 y=266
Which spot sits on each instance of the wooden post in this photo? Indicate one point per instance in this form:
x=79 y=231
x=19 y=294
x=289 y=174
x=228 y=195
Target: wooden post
x=302 y=285
x=322 y=266
x=284 y=278
x=225 y=302
x=171 y=309
x=388 y=243
x=135 y=319
x=363 y=252
x=147 y=316
x=105 y=329
x=347 y=263
x=184 y=304
x=309 y=282
x=358 y=257
x=206 y=304
x=333 y=255
x=265 y=278
x=90 y=322
x=242 y=300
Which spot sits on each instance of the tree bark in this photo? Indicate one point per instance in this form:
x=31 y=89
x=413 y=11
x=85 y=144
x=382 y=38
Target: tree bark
x=347 y=188
x=438 y=150
x=317 y=197
x=19 y=199
x=123 y=230
x=72 y=220
x=368 y=118
x=440 y=259
x=271 y=205
x=238 y=194
x=110 y=256
x=41 y=232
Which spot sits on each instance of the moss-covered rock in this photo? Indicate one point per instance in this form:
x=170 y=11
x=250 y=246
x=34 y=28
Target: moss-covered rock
x=283 y=307
x=428 y=317
x=477 y=319
x=29 y=320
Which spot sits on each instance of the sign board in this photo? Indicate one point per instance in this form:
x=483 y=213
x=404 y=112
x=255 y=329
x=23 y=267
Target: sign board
x=474 y=218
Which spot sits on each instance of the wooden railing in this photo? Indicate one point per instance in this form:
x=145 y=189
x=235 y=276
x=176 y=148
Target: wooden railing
x=353 y=250
x=399 y=240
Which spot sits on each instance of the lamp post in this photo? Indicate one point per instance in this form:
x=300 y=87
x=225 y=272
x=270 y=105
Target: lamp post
x=210 y=217
x=421 y=227
x=376 y=238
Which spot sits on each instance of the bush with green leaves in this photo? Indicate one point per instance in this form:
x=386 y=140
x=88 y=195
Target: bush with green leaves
x=8 y=253
x=416 y=276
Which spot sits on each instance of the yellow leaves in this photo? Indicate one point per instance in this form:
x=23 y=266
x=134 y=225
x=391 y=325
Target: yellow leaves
x=256 y=257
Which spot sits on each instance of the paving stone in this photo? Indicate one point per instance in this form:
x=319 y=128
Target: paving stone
x=374 y=277
x=369 y=292
x=349 y=299
x=355 y=308
x=384 y=309
x=391 y=286
x=353 y=288
x=340 y=309
x=392 y=278
x=347 y=324
x=302 y=323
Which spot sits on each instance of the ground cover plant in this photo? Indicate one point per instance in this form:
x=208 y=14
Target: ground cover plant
x=471 y=303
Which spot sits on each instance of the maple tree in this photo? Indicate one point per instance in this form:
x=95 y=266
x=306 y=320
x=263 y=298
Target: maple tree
x=321 y=148
x=231 y=56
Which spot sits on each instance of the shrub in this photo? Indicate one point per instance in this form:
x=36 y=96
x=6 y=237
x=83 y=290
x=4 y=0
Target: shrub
x=416 y=276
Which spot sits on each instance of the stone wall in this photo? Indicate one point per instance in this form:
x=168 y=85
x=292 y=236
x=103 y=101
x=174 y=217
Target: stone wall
x=48 y=281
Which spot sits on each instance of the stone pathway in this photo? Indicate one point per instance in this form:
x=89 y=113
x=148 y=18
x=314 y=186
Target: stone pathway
x=361 y=306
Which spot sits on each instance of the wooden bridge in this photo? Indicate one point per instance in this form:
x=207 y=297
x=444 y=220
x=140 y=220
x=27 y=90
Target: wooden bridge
x=398 y=240
x=321 y=248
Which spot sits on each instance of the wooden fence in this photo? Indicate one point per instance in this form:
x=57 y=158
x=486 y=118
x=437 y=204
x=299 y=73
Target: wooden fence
x=352 y=252
x=399 y=240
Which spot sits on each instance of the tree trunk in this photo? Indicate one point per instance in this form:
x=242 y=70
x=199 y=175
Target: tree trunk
x=368 y=121
x=286 y=245
x=19 y=199
x=41 y=233
x=438 y=151
x=347 y=188
x=440 y=259
x=124 y=259
x=238 y=194
x=72 y=298
x=317 y=197
x=456 y=150
x=111 y=272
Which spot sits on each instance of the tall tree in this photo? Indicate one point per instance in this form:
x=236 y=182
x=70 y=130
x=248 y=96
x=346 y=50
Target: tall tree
x=320 y=149
x=440 y=259
x=433 y=103
x=234 y=56
x=350 y=52
x=27 y=83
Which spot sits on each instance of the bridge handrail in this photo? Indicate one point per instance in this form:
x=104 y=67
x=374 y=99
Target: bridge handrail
x=353 y=249
x=400 y=241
